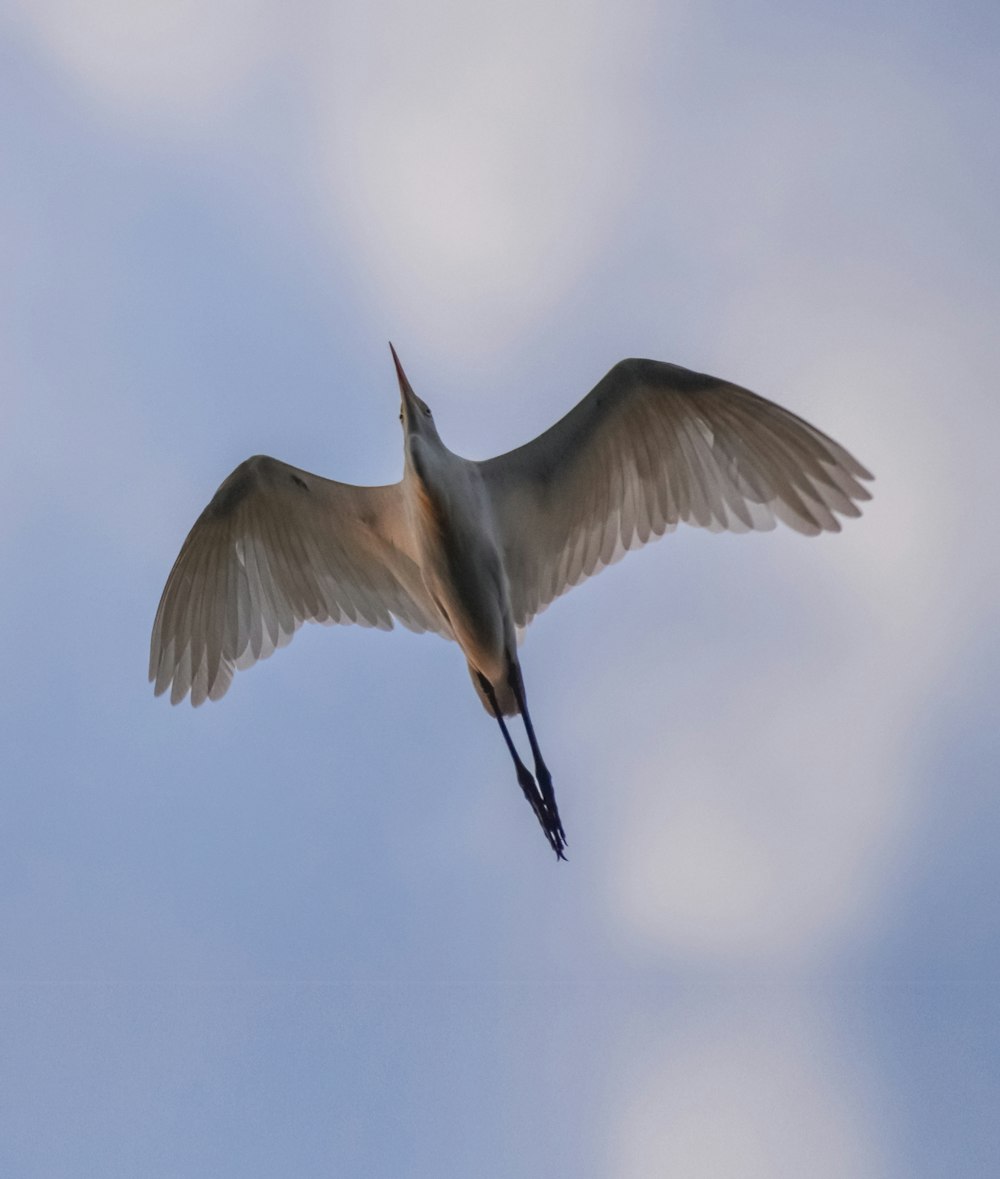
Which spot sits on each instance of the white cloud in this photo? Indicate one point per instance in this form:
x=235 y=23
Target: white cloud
x=746 y=1087
x=177 y=63
x=477 y=157
x=755 y=834
x=473 y=161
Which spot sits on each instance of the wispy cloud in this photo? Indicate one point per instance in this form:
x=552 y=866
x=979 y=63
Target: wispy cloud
x=746 y=1083
x=159 y=67
x=476 y=159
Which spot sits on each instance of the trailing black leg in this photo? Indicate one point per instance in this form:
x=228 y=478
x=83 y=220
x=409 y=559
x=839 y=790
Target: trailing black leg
x=541 y=769
x=535 y=796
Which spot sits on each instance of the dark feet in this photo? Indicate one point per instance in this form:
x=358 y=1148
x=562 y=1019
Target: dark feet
x=546 y=816
x=554 y=829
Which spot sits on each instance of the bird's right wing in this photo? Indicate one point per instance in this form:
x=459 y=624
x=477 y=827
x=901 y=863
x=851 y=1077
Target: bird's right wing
x=277 y=547
x=653 y=445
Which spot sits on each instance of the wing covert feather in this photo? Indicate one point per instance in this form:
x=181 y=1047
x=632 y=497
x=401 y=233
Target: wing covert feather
x=651 y=446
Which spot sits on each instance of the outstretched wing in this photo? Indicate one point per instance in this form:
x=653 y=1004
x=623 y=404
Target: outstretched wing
x=650 y=446
x=277 y=547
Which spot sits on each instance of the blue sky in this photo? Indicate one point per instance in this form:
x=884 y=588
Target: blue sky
x=313 y=929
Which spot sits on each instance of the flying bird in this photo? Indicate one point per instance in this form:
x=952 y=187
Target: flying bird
x=474 y=550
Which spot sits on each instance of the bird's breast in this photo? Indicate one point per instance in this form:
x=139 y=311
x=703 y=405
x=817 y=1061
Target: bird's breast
x=461 y=561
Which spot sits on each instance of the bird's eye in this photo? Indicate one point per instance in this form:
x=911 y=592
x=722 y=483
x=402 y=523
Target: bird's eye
x=400 y=415
x=427 y=412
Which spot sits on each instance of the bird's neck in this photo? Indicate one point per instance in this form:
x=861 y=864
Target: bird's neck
x=425 y=454
x=434 y=474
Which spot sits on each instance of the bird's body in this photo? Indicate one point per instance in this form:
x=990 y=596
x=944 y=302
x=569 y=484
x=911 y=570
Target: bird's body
x=460 y=560
x=473 y=550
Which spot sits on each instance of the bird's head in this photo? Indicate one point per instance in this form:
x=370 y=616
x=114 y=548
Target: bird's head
x=413 y=412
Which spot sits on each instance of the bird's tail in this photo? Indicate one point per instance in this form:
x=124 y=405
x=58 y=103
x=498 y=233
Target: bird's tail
x=506 y=700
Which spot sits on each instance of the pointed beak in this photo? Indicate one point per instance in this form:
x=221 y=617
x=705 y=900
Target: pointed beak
x=404 y=385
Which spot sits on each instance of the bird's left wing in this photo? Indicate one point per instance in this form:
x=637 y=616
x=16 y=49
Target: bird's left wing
x=277 y=547
x=653 y=445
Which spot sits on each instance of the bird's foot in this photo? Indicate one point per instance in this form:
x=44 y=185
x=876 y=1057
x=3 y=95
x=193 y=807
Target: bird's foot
x=554 y=823
x=548 y=818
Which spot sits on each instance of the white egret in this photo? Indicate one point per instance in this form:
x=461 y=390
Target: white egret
x=474 y=550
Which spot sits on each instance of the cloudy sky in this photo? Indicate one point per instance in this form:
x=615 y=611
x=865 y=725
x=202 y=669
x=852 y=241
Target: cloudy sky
x=314 y=929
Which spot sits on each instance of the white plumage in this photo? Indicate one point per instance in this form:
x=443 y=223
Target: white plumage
x=474 y=550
